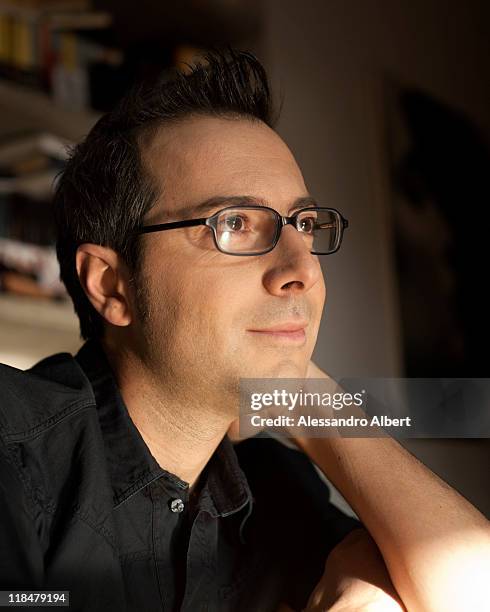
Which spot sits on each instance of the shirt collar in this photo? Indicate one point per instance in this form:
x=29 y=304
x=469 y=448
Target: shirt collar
x=130 y=462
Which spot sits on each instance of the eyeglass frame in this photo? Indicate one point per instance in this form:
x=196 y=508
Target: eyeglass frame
x=211 y=222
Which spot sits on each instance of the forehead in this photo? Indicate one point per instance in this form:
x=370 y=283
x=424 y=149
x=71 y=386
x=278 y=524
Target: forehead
x=205 y=157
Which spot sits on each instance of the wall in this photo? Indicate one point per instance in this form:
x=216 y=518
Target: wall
x=330 y=58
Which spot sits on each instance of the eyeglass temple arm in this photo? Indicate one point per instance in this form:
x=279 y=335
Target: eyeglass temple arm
x=161 y=227
x=345 y=224
x=292 y=219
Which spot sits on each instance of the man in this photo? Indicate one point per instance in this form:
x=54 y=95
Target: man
x=185 y=241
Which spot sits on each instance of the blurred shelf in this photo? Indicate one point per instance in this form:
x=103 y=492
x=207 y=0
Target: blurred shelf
x=38 y=313
x=38 y=107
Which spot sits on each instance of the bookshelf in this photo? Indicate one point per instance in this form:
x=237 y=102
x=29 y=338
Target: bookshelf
x=33 y=329
x=38 y=47
x=37 y=109
x=62 y=64
x=25 y=311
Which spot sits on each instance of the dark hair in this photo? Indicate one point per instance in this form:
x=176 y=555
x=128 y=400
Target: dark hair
x=104 y=191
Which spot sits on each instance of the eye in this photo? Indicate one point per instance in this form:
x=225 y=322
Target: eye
x=234 y=223
x=307 y=224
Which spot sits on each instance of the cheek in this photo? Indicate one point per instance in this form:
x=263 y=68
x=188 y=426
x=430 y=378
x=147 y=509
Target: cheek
x=322 y=292
x=166 y=297
x=220 y=312
x=190 y=301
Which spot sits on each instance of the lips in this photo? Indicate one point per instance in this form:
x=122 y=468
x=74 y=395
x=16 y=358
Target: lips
x=285 y=331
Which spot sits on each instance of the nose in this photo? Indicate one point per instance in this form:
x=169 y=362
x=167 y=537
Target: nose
x=291 y=267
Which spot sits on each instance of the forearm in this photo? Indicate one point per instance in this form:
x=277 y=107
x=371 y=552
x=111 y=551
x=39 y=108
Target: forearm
x=435 y=544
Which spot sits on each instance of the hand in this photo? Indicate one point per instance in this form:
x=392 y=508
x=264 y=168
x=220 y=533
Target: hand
x=313 y=371
x=233 y=431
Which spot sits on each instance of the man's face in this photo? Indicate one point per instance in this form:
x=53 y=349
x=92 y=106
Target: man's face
x=204 y=304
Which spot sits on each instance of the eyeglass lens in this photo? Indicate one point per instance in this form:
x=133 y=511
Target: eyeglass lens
x=249 y=230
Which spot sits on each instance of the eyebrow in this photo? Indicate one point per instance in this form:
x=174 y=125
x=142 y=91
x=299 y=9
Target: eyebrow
x=188 y=212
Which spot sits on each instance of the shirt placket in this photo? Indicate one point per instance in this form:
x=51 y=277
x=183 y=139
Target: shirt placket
x=170 y=499
x=201 y=564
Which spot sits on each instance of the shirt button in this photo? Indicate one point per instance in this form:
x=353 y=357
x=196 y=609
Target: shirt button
x=176 y=505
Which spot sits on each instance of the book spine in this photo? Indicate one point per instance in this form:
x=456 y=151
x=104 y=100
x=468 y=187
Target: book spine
x=24 y=50
x=6 y=44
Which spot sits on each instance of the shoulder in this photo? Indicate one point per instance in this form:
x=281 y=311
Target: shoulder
x=47 y=422
x=45 y=412
x=33 y=399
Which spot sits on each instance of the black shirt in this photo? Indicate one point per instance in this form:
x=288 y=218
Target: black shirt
x=85 y=507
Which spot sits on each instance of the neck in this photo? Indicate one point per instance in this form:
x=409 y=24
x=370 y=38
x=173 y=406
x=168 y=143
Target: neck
x=181 y=431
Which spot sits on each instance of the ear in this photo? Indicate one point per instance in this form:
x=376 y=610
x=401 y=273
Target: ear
x=105 y=280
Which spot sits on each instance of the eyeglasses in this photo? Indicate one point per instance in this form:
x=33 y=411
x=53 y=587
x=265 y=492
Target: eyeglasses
x=255 y=230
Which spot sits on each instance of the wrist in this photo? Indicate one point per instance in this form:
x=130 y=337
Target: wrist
x=317 y=449
x=374 y=602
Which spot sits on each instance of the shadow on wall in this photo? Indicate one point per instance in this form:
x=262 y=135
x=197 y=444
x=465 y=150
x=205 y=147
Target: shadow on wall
x=440 y=171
